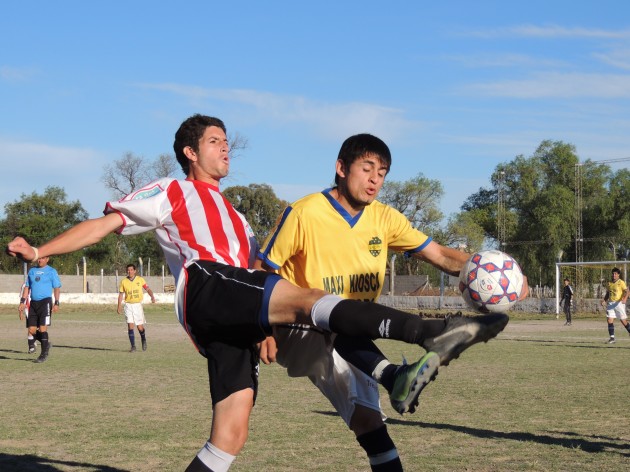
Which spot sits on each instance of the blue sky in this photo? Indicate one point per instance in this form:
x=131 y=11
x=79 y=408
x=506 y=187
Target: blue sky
x=454 y=88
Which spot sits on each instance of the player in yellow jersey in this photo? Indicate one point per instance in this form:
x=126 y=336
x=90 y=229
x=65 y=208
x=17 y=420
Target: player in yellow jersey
x=131 y=291
x=615 y=303
x=337 y=240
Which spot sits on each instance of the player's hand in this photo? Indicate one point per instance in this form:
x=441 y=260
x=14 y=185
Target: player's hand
x=153 y=300
x=21 y=249
x=21 y=311
x=267 y=350
x=55 y=308
x=525 y=289
x=119 y=311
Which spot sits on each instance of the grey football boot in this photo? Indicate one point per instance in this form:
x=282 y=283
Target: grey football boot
x=461 y=332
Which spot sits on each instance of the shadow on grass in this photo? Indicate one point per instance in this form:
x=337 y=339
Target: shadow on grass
x=87 y=348
x=32 y=463
x=54 y=346
x=570 y=440
x=574 y=441
x=567 y=343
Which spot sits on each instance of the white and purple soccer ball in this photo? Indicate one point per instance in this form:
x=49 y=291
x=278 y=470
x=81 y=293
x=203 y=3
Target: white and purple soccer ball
x=491 y=281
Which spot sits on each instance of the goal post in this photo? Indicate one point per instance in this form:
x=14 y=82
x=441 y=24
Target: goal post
x=569 y=270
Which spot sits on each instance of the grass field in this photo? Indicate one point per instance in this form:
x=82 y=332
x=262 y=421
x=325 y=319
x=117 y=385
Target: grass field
x=541 y=397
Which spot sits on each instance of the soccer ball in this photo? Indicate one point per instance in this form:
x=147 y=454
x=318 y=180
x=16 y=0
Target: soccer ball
x=491 y=281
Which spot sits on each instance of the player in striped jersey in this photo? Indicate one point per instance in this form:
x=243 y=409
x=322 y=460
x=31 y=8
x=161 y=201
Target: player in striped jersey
x=226 y=308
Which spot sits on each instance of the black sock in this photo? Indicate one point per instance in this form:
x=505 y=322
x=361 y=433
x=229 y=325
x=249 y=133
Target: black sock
x=132 y=338
x=373 y=321
x=611 y=330
x=142 y=334
x=387 y=377
x=197 y=466
x=44 y=341
x=381 y=450
x=628 y=327
x=360 y=352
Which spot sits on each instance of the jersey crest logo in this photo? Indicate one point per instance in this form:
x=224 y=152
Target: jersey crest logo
x=375 y=246
x=146 y=193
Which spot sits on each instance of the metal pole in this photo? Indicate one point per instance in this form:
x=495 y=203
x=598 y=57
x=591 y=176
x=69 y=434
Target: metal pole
x=84 y=275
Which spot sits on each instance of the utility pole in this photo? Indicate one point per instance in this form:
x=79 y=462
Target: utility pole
x=501 y=233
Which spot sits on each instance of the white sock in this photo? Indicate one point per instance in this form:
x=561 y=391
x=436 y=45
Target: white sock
x=320 y=313
x=214 y=458
x=378 y=370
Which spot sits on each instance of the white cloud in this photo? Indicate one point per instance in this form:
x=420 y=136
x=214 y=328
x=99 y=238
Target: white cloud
x=45 y=158
x=31 y=167
x=15 y=74
x=619 y=58
x=505 y=60
x=551 y=31
x=332 y=120
x=558 y=85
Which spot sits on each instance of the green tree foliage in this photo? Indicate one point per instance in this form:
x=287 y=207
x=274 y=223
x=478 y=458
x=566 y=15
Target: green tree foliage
x=464 y=232
x=259 y=204
x=38 y=218
x=540 y=203
x=418 y=199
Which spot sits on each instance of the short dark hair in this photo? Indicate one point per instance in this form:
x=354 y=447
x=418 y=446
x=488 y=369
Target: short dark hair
x=616 y=270
x=361 y=145
x=131 y=265
x=189 y=134
x=567 y=280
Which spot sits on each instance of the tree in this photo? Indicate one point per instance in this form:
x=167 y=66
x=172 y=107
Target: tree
x=124 y=175
x=463 y=232
x=540 y=207
x=130 y=172
x=418 y=199
x=259 y=204
x=38 y=218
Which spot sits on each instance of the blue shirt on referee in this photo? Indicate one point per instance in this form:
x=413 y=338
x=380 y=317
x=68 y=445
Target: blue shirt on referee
x=41 y=281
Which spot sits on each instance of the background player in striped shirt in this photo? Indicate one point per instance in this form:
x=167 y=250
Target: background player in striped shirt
x=225 y=308
x=131 y=290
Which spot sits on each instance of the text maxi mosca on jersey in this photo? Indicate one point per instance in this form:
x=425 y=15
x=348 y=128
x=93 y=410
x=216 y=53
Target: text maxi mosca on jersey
x=358 y=283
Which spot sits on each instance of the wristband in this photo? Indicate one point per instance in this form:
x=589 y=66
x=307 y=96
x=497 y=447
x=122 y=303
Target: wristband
x=56 y=302
x=36 y=254
x=22 y=301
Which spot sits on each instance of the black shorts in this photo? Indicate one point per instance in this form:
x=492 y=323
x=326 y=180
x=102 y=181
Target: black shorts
x=39 y=313
x=226 y=314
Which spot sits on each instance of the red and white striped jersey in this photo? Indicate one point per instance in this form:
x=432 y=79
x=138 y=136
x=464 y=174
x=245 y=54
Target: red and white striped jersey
x=192 y=221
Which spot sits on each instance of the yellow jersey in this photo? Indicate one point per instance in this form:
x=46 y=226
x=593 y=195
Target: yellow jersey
x=616 y=290
x=132 y=289
x=317 y=244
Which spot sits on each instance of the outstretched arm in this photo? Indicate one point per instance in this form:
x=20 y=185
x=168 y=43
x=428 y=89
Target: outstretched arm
x=84 y=234
x=444 y=258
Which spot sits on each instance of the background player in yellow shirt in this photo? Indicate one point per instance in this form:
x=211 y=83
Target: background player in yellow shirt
x=615 y=303
x=337 y=240
x=131 y=290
